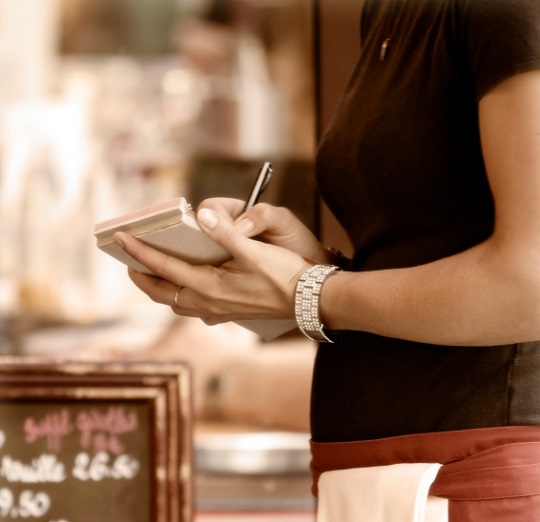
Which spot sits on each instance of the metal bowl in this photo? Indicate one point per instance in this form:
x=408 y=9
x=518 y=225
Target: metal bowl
x=268 y=453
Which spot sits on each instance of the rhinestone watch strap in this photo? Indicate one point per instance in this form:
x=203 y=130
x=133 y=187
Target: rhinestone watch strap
x=306 y=303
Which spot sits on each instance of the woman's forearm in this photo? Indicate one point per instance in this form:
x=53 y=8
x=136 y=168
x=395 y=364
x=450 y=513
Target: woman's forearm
x=478 y=297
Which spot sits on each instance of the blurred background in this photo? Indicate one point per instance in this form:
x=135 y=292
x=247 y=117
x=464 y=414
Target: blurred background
x=107 y=106
x=110 y=105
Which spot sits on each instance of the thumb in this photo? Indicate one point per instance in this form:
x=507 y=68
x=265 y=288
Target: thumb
x=224 y=233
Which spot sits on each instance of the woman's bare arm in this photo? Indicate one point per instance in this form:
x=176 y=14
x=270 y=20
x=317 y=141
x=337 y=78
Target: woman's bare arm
x=486 y=295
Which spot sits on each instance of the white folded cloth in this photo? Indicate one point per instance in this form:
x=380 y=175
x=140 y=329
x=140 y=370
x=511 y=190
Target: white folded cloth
x=394 y=493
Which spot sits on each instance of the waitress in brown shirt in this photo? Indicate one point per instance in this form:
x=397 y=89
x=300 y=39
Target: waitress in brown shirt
x=430 y=334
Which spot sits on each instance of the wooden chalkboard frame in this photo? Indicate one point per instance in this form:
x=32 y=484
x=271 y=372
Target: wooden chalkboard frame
x=165 y=386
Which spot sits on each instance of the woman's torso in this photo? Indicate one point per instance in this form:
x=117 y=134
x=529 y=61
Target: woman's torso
x=402 y=169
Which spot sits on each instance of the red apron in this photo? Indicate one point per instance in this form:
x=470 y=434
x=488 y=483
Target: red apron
x=489 y=474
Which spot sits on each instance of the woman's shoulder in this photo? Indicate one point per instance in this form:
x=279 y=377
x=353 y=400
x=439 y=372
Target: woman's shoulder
x=501 y=38
x=489 y=11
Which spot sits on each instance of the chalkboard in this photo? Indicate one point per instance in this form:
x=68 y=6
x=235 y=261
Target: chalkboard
x=87 y=442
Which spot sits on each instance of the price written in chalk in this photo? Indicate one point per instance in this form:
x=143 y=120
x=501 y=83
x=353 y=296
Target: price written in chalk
x=47 y=468
x=86 y=467
x=28 y=504
x=56 y=459
x=100 y=467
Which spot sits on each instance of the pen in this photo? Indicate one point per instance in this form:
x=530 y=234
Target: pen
x=261 y=182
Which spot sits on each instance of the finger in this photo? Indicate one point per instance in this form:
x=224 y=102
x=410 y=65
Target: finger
x=159 y=264
x=180 y=304
x=278 y=221
x=279 y=226
x=159 y=290
x=176 y=304
x=164 y=292
x=224 y=206
x=263 y=219
x=227 y=235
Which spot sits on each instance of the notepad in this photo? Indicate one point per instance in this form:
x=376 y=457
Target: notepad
x=171 y=227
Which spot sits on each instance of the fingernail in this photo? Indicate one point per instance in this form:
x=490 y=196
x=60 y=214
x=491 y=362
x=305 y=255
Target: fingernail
x=207 y=217
x=119 y=241
x=245 y=226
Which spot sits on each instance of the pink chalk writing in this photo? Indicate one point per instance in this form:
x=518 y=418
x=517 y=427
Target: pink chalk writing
x=51 y=427
x=101 y=430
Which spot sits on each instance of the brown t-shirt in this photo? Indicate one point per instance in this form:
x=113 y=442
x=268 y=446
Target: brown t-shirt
x=401 y=168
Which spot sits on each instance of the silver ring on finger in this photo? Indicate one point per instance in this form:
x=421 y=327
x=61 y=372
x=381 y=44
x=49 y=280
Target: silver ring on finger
x=178 y=288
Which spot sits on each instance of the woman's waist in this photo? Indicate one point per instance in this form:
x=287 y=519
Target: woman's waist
x=368 y=387
x=460 y=451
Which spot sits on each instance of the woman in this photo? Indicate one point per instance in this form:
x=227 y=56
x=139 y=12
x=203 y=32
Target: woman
x=432 y=165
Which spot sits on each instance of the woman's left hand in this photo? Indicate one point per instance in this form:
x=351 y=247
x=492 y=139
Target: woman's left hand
x=258 y=282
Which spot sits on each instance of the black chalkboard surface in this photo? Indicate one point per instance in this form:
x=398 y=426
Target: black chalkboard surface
x=87 y=442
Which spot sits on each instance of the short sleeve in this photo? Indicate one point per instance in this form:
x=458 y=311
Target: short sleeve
x=502 y=38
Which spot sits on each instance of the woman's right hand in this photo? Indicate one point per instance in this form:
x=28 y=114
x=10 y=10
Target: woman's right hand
x=274 y=225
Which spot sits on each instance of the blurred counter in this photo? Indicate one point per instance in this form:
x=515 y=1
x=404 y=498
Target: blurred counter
x=243 y=468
